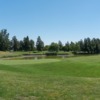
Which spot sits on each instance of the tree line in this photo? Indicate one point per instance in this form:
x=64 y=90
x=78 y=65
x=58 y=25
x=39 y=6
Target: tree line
x=87 y=46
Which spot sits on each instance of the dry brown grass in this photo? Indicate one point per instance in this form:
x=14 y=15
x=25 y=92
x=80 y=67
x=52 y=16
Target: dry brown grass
x=4 y=53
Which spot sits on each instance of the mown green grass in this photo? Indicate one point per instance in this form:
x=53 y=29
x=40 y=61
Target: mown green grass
x=76 y=78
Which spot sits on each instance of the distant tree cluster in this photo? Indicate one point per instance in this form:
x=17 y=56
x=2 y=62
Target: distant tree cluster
x=23 y=45
x=88 y=46
x=91 y=46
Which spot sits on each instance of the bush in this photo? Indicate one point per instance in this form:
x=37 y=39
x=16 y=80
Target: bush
x=51 y=54
x=35 y=51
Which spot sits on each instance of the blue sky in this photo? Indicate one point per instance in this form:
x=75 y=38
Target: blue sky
x=53 y=20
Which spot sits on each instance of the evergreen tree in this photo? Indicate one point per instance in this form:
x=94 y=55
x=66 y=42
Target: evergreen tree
x=76 y=47
x=72 y=46
x=81 y=45
x=4 y=40
x=21 y=45
x=31 y=45
x=26 y=43
x=60 y=45
x=87 y=45
x=67 y=46
x=15 y=43
x=39 y=44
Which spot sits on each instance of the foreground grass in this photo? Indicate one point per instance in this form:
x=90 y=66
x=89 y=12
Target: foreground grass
x=76 y=78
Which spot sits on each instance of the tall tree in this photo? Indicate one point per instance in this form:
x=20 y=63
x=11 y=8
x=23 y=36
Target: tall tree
x=87 y=45
x=77 y=47
x=81 y=44
x=4 y=40
x=60 y=45
x=15 y=43
x=31 y=45
x=39 y=44
x=72 y=46
x=26 y=43
x=97 y=46
x=21 y=45
x=67 y=46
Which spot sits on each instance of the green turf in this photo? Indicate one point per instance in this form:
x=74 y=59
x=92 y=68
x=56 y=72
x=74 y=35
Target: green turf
x=76 y=78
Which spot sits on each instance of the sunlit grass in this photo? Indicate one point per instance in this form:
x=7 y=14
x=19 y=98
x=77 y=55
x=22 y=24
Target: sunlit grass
x=75 y=78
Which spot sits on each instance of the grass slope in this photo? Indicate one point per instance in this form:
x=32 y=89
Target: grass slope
x=76 y=78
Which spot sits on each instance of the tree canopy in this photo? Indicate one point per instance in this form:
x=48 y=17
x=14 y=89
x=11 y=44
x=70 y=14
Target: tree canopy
x=87 y=45
x=39 y=44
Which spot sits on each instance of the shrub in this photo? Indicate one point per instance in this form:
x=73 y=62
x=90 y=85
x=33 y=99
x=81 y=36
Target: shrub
x=51 y=54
